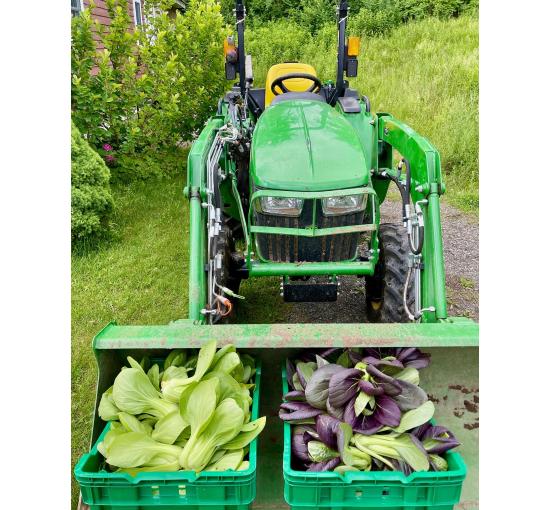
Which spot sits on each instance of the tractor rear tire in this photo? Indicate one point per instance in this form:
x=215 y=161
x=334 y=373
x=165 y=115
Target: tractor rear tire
x=384 y=290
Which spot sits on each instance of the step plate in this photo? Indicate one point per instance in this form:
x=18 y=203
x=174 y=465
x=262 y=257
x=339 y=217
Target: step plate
x=310 y=292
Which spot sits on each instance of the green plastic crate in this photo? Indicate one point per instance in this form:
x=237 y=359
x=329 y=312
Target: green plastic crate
x=225 y=490
x=381 y=490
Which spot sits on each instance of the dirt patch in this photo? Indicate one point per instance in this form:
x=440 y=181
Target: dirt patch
x=461 y=251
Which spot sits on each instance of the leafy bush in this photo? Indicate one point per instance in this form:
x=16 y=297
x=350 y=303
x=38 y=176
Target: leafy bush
x=148 y=89
x=91 y=201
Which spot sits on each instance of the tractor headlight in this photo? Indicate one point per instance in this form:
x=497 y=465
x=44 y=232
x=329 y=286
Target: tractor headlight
x=282 y=206
x=345 y=204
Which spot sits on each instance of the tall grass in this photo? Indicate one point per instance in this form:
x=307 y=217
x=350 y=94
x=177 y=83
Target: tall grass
x=425 y=73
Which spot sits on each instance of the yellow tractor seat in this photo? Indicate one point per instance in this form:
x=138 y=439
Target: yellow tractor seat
x=294 y=84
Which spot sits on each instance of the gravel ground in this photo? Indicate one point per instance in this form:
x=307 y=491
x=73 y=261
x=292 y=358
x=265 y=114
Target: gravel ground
x=461 y=250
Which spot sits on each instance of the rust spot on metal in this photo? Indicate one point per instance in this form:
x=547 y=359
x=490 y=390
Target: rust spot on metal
x=434 y=399
x=471 y=426
x=476 y=399
x=445 y=397
x=470 y=406
x=455 y=387
x=458 y=413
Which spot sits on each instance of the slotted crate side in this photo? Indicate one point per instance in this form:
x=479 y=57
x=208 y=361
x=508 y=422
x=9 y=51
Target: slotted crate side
x=226 y=490
x=380 y=490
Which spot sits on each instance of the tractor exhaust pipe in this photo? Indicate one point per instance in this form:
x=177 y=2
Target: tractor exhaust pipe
x=240 y=14
x=342 y=21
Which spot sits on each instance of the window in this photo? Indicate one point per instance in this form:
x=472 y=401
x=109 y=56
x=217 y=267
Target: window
x=76 y=7
x=138 y=15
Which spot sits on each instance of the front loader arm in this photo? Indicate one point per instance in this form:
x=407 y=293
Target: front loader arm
x=426 y=185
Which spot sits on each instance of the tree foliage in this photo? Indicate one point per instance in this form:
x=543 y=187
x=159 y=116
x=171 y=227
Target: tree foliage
x=91 y=201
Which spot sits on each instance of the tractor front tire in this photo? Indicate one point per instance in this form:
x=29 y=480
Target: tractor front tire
x=384 y=289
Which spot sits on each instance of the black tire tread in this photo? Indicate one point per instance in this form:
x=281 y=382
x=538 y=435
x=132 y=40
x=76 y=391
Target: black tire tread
x=387 y=284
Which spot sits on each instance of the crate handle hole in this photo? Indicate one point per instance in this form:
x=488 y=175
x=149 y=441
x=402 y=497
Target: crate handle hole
x=155 y=491
x=182 y=491
x=385 y=492
x=358 y=494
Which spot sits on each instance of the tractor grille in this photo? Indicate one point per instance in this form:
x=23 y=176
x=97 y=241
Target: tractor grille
x=289 y=248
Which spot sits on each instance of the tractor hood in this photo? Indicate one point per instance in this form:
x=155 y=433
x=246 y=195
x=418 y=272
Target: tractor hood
x=306 y=146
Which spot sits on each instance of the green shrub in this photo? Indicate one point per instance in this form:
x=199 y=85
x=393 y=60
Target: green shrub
x=91 y=201
x=148 y=89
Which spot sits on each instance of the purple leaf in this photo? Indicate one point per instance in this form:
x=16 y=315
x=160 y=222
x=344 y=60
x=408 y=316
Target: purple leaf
x=317 y=387
x=349 y=413
x=328 y=465
x=437 y=438
x=299 y=445
x=294 y=411
x=343 y=386
x=336 y=412
x=327 y=352
x=367 y=425
x=370 y=360
x=386 y=382
x=327 y=427
x=411 y=396
x=299 y=415
x=369 y=388
x=387 y=412
x=413 y=357
x=298 y=396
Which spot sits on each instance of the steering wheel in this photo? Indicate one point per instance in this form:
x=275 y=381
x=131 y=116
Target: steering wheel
x=278 y=82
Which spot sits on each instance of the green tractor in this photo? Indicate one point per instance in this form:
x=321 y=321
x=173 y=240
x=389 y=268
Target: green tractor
x=297 y=171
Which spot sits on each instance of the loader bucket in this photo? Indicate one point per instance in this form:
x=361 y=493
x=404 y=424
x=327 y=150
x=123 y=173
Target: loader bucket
x=451 y=380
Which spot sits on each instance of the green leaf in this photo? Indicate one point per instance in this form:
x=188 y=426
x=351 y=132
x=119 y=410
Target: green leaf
x=206 y=355
x=133 y=393
x=201 y=404
x=225 y=424
x=168 y=429
x=248 y=433
x=132 y=424
x=230 y=461
x=411 y=453
x=409 y=374
x=107 y=410
x=416 y=417
x=154 y=376
x=222 y=352
x=135 y=449
x=361 y=402
x=227 y=363
x=320 y=452
x=307 y=369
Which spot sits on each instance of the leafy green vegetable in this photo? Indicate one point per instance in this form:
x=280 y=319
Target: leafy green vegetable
x=135 y=449
x=248 y=433
x=107 y=409
x=133 y=393
x=231 y=460
x=200 y=404
x=154 y=376
x=132 y=424
x=225 y=424
x=169 y=428
x=416 y=417
x=320 y=452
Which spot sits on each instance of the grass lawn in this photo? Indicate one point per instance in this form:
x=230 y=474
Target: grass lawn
x=138 y=278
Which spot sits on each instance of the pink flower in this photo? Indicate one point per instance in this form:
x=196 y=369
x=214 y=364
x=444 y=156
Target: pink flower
x=109 y=158
x=107 y=147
